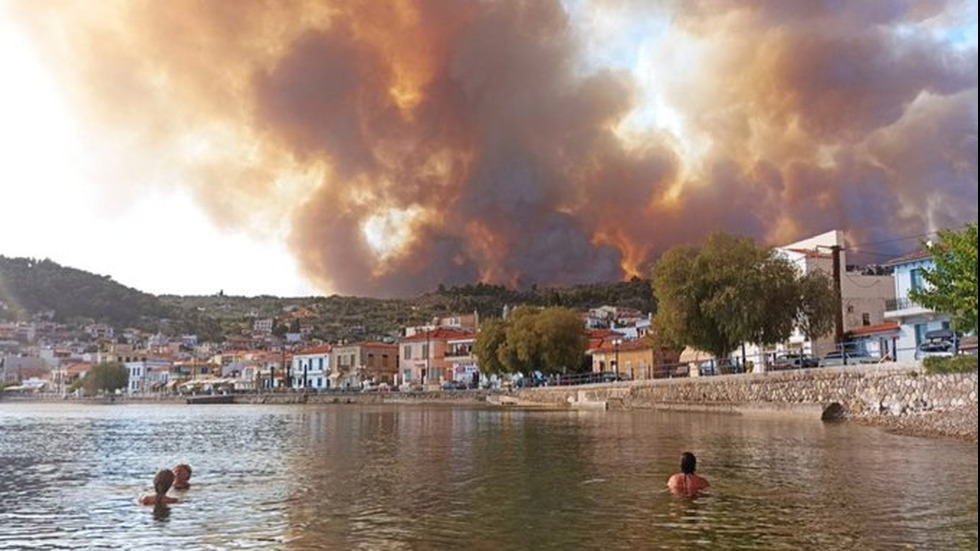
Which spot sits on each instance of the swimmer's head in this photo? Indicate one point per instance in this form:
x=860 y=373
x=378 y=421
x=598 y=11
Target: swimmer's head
x=688 y=463
x=163 y=481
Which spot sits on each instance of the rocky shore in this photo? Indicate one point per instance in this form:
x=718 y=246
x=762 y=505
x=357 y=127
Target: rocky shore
x=958 y=422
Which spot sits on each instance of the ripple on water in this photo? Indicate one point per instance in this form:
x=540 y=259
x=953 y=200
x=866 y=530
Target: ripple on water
x=439 y=478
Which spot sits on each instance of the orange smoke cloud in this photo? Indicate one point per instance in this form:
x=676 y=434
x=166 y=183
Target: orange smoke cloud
x=407 y=144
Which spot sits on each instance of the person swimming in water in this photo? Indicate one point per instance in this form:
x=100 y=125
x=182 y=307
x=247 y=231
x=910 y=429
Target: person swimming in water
x=182 y=476
x=161 y=484
x=686 y=482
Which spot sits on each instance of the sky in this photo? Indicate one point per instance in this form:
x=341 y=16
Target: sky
x=384 y=148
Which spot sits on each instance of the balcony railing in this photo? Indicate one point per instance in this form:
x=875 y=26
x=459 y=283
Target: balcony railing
x=900 y=304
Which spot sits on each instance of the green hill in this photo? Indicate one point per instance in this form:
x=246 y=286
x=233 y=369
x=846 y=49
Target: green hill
x=29 y=287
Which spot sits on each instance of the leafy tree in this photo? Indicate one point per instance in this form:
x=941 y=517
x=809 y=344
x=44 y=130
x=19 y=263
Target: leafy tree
x=563 y=340
x=819 y=304
x=952 y=285
x=493 y=335
x=550 y=340
x=108 y=377
x=730 y=291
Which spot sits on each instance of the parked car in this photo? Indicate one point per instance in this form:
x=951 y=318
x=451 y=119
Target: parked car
x=940 y=343
x=454 y=385
x=929 y=349
x=852 y=358
x=794 y=360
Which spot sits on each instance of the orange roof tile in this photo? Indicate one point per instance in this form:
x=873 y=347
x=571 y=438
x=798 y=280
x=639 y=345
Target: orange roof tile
x=886 y=327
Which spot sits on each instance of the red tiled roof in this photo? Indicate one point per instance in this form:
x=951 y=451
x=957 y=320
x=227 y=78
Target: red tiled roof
x=325 y=349
x=886 y=327
x=439 y=334
x=626 y=346
x=911 y=257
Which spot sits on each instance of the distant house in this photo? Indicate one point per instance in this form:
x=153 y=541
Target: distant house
x=423 y=359
x=312 y=369
x=365 y=362
x=18 y=368
x=914 y=320
x=635 y=359
x=263 y=325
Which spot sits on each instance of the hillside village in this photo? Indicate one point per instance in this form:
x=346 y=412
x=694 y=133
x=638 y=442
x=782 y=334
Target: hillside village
x=282 y=352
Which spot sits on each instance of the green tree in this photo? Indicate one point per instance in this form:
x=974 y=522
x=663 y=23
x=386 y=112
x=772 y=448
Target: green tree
x=562 y=340
x=107 y=377
x=819 y=304
x=493 y=335
x=551 y=340
x=952 y=285
x=731 y=291
x=521 y=350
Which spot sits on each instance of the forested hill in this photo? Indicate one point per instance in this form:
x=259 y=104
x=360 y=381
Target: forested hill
x=353 y=318
x=29 y=286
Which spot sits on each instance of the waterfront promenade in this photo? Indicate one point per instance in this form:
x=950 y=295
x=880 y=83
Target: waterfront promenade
x=897 y=396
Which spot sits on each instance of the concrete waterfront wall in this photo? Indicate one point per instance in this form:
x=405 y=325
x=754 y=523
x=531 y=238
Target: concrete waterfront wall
x=887 y=389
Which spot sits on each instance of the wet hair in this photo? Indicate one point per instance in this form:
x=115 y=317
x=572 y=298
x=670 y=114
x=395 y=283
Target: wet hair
x=184 y=466
x=688 y=463
x=163 y=481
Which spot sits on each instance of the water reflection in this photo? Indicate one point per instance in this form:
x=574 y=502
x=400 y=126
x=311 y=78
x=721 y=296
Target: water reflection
x=447 y=478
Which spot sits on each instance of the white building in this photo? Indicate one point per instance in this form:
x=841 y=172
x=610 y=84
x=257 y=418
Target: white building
x=863 y=297
x=914 y=320
x=311 y=368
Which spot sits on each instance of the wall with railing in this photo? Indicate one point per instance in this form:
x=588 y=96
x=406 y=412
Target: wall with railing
x=889 y=389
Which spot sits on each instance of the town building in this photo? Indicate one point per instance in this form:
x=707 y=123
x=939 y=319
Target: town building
x=863 y=299
x=312 y=369
x=914 y=321
x=365 y=363
x=422 y=356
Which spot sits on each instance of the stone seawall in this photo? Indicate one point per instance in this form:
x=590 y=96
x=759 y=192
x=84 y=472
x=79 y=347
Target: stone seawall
x=890 y=389
x=433 y=397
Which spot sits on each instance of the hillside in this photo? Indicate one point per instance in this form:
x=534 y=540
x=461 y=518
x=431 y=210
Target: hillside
x=29 y=287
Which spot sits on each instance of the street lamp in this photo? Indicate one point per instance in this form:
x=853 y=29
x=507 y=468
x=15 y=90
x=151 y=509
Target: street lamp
x=616 y=343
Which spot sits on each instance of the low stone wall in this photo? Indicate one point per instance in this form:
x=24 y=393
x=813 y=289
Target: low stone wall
x=434 y=397
x=888 y=389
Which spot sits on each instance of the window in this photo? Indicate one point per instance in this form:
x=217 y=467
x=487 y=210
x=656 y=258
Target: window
x=916 y=277
x=408 y=352
x=425 y=350
x=865 y=319
x=370 y=362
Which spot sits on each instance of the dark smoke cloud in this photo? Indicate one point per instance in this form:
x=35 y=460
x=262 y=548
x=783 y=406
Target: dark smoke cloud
x=475 y=136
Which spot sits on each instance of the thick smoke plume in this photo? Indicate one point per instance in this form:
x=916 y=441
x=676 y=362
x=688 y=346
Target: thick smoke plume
x=407 y=144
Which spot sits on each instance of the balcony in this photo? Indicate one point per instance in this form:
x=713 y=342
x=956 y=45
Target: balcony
x=897 y=308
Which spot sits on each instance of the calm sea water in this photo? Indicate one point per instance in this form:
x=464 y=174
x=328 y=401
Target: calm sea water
x=423 y=477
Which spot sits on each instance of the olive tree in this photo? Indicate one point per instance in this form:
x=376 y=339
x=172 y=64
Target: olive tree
x=729 y=291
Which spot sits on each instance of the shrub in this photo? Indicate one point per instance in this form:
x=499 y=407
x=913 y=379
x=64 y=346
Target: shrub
x=936 y=365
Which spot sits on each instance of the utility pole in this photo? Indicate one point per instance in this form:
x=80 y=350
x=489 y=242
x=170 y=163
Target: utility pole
x=839 y=321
